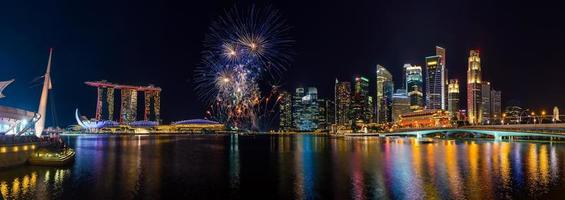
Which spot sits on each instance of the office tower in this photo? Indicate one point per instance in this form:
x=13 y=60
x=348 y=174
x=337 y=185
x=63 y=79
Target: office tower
x=474 y=100
x=297 y=107
x=453 y=98
x=360 y=100
x=414 y=86
x=342 y=103
x=496 y=105
x=305 y=109
x=326 y=114
x=285 y=108
x=485 y=104
x=400 y=104
x=384 y=90
x=370 y=111
x=440 y=51
x=436 y=82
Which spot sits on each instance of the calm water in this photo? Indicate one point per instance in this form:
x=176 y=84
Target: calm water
x=293 y=167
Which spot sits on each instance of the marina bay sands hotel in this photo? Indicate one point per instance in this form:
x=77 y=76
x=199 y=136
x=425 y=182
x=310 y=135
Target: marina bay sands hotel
x=128 y=101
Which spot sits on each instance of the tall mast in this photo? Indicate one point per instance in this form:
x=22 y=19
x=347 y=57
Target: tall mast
x=40 y=125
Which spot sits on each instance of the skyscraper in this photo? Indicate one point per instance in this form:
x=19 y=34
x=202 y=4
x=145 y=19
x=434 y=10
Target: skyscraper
x=414 y=86
x=342 y=103
x=360 y=100
x=453 y=98
x=326 y=114
x=306 y=109
x=474 y=100
x=384 y=90
x=436 y=83
x=485 y=104
x=400 y=104
x=496 y=105
x=285 y=108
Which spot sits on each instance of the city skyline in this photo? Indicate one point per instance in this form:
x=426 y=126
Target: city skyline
x=102 y=55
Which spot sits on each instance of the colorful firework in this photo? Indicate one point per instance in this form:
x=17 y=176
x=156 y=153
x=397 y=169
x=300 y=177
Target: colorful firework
x=242 y=49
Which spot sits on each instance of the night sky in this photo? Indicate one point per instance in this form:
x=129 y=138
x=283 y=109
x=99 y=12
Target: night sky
x=522 y=46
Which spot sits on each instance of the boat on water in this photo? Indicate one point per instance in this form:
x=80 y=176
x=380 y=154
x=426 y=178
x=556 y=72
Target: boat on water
x=53 y=158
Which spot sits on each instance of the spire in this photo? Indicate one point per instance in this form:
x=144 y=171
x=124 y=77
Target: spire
x=40 y=125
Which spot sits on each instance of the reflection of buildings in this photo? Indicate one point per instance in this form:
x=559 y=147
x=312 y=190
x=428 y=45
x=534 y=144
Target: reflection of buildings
x=474 y=100
x=414 y=86
x=342 y=103
x=305 y=109
x=128 y=107
x=285 y=108
x=384 y=90
x=400 y=104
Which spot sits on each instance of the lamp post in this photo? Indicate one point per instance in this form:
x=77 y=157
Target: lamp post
x=503 y=118
x=533 y=115
x=542 y=117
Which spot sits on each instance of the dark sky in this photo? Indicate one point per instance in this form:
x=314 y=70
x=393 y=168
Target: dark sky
x=140 y=42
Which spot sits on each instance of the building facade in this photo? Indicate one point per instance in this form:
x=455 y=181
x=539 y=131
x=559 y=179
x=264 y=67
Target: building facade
x=342 y=103
x=285 y=111
x=400 y=104
x=474 y=100
x=326 y=115
x=453 y=99
x=360 y=100
x=384 y=91
x=486 y=103
x=496 y=105
x=436 y=83
x=305 y=109
x=414 y=86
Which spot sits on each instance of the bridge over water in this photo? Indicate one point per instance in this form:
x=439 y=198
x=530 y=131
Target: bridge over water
x=497 y=131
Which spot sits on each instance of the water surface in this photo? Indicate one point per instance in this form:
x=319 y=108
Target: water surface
x=293 y=167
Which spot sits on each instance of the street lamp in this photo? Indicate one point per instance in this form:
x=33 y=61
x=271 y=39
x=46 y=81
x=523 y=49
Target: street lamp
x=534 y=117
x=542 y=116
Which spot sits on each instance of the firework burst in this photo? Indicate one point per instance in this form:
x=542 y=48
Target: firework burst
x=242 y=49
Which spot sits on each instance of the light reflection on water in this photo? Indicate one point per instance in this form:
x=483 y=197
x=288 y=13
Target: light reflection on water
x=293 y=167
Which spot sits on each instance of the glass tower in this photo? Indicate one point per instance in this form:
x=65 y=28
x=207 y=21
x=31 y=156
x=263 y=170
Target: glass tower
x=414 y=86
x=384 y=90
x=342 y=103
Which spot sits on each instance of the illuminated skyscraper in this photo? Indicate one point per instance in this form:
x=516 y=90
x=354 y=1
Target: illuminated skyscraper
x=474 y=100
x=414 y=86
x=342 y=103
x=360 y=101
x=326 y=114
x=436 y=77
x=496 y=105
x=485 y=104
x=453 y=98
x=285 y=108
x=400 y=104
x=306 y=109
x=384 y=90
